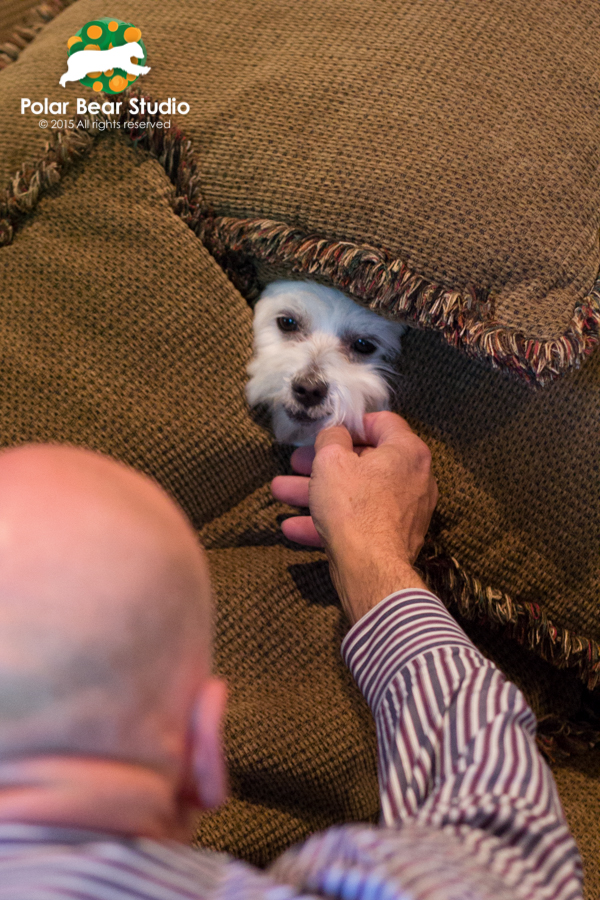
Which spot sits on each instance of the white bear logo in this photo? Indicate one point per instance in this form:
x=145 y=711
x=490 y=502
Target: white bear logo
x=84 y=62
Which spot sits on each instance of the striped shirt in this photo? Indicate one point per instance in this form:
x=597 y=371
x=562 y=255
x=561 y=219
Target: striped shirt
x=469 y=808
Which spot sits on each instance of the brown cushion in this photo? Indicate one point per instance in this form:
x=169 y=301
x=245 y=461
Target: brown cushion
x=426 y=143
x=104 y=341
x=578 y=782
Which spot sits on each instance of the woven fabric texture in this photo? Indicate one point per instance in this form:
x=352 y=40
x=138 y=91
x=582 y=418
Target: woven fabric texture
x=460 y=139
x=578 y=782
x=121 y=333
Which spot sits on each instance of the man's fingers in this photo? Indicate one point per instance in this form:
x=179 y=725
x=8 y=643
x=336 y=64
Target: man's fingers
x=292 y=489
x=303 y=457
x=302 y=530
x=362 y=451
x=302 y=460
x=336 y=435
x=383 y=427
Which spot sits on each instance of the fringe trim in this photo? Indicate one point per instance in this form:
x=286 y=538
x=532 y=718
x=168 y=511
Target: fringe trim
x=558 y=739
x=63 y=147
x=386 y=284
x=34 y=21
x=526 y=622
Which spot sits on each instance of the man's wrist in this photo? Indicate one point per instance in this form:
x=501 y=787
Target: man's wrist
x=364 y=581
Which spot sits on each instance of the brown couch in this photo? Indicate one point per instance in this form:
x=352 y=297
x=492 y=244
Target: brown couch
x=426 y=182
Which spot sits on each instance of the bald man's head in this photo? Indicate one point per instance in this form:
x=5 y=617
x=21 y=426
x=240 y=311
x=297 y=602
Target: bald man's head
x=104 y=609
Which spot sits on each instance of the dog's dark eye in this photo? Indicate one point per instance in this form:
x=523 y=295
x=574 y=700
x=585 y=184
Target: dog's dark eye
x=287 y=323
x=362 y=345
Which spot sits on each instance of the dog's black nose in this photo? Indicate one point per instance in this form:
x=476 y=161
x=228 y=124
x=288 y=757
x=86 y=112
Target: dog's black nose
x=309 y=392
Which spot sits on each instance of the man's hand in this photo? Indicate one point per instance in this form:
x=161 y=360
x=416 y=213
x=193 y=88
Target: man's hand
x=370 y=507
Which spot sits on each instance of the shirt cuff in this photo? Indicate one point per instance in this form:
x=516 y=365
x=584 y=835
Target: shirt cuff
x=401 y=627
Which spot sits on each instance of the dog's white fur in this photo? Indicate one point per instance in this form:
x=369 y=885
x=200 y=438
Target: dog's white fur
x=83 y=62
x=320 y=352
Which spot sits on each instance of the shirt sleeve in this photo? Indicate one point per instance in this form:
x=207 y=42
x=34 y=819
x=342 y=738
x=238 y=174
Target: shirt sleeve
x=467 y=801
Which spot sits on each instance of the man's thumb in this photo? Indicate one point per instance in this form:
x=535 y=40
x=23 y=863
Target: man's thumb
x=337 y=435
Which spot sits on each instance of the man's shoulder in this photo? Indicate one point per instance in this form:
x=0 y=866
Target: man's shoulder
x=42 y=860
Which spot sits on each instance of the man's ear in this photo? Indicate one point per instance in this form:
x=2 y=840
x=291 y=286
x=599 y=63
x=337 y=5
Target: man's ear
x=208 y=759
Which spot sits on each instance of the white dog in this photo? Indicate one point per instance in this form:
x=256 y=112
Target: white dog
x=319 y=359
x=84 y=62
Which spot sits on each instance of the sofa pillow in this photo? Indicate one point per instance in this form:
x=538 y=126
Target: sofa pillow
x=437 y=159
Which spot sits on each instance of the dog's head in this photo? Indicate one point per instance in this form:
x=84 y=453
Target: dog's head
x=319 y=359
